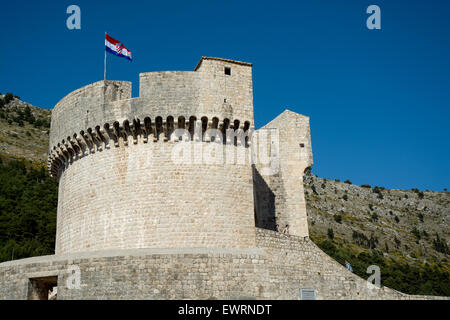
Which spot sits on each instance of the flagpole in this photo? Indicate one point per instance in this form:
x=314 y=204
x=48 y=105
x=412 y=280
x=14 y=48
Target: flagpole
x=104 y=70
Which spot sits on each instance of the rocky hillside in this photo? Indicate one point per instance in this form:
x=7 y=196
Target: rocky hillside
x=409 y=226
x=24 y=129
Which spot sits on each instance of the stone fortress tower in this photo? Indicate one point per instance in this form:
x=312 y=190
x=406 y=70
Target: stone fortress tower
x=120 y=182
x=173 y=195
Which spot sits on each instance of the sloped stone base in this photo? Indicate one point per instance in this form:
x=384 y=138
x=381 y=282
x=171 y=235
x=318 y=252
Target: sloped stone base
x=278 y=268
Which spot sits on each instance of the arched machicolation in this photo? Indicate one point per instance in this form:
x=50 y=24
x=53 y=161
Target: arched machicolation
x=102 y=137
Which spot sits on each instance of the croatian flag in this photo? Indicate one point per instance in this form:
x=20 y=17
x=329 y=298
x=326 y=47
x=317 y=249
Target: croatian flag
x=116 y=47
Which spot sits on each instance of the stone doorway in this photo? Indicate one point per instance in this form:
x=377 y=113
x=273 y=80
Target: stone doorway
x=40 y=288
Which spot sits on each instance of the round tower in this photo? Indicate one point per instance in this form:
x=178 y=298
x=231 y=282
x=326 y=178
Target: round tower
x=153 y=171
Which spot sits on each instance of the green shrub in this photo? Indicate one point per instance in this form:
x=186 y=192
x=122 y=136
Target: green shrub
x=420 y=194
x=416 y=233
x=397 y=243
x=374 y=217
x=440 y=245
x=420 y=216
x=330 y=233
x=41 y=123
x=28 y=200
x=373 y=241
x=8 y=97
x=426 y=280
x=28 y=116
x=338 y=218
x=362 y=240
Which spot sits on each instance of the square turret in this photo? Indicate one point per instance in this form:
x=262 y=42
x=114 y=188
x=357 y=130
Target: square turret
x=227 y=84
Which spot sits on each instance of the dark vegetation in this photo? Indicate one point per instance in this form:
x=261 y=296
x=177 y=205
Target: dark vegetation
x=362 y=240
x=425 y=280
x=28 y=200
x=440 y=245
x=338 y=218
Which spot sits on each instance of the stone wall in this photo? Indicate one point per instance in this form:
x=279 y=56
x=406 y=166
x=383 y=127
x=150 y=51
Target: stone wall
x=295 y=262
x=278 y=268
x=228 y=94
x=142 y=274
x=279 y=196
x=86 y=108
x=145 y=196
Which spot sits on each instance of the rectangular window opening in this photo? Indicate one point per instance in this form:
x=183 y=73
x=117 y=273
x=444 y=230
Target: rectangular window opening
x=307 y=294
x=228 y=71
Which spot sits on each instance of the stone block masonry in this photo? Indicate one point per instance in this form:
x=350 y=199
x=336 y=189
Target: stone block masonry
x=139 y=198
x=277 y=268
x=279 y=197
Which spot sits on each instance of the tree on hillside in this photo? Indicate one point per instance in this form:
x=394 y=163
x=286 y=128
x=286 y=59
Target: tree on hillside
x=28 y=200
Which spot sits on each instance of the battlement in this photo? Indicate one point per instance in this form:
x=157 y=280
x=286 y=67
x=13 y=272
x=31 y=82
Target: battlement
x=224 y=61
x=103 y=137
x=92 y=115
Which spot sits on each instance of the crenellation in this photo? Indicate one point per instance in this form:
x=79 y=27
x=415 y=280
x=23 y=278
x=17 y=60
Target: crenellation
x=97 y=139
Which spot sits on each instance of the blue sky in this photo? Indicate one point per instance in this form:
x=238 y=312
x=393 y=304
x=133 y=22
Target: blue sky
x=379 y=100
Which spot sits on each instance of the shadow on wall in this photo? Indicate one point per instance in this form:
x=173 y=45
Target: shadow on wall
x=264 y=202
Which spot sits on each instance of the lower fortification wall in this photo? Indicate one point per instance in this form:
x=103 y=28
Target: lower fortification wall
x=278 y=268
x=296 y=262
